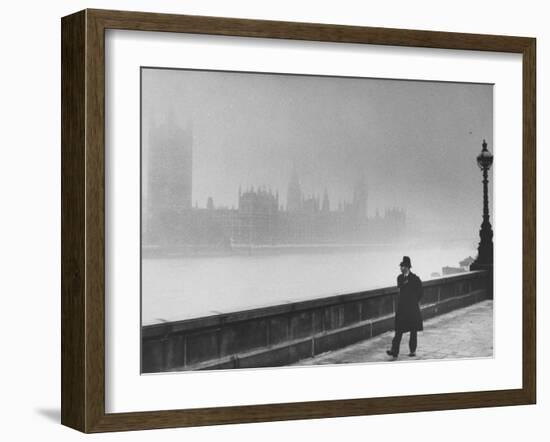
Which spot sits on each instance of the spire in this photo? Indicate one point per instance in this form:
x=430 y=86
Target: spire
x=294 y=193
x=326 y=204
x=360 y=196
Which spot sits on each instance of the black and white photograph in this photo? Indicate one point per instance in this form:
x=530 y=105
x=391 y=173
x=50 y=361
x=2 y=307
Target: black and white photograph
x=319 y=219
x=302 y=220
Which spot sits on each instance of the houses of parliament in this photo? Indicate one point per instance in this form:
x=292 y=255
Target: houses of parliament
x=170 y=219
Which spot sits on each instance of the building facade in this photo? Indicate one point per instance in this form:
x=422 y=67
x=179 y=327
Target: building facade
x=259 y=217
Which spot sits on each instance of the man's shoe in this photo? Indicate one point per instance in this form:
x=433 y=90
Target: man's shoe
x=412 y=355
x=391 y=353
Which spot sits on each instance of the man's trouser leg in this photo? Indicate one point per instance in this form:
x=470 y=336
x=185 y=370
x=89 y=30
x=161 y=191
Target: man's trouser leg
x=413 y=341
x=396 y=342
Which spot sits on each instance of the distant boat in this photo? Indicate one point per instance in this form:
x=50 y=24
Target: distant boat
x=452 y=270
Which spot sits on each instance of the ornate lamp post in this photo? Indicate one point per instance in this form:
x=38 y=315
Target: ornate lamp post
x=484 y=258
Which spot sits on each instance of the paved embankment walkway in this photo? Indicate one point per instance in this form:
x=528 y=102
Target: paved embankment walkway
x=463 y=333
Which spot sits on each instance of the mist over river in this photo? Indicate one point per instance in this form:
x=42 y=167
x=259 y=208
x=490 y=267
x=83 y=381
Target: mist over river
x=176 y=288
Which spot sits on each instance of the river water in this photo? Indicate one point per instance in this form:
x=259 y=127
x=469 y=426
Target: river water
x=189 y=287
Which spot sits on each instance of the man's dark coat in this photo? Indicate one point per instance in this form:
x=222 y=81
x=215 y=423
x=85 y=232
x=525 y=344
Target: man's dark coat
x=407 y=314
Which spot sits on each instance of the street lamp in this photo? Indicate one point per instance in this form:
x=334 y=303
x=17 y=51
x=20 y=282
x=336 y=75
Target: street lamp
x=484 y=258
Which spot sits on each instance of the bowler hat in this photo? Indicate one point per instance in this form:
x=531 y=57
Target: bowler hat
x=406 y=262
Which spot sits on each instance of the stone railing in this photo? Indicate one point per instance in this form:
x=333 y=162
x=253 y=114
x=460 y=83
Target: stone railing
x=286 y=333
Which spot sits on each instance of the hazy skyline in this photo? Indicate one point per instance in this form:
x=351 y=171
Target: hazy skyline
x=415 y=142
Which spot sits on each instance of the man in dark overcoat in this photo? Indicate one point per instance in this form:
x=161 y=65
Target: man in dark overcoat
x=408 y=317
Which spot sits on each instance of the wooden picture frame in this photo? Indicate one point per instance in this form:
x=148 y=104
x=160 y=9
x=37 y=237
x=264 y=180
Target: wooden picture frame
x=83 y=220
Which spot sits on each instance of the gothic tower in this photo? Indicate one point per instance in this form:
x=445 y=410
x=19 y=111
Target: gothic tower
x=294 y=193
x=360 y=195
x=169 y=176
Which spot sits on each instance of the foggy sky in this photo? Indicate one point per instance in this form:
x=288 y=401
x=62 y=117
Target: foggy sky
x=416 y=142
